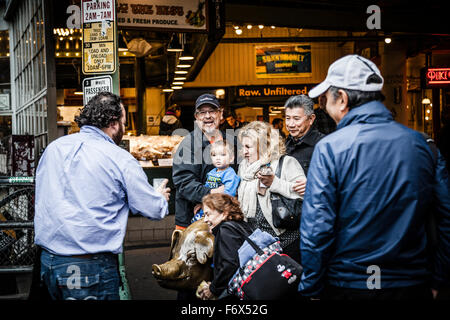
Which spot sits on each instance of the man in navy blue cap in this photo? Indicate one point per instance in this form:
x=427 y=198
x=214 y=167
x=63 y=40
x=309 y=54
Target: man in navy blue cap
x=192 y=160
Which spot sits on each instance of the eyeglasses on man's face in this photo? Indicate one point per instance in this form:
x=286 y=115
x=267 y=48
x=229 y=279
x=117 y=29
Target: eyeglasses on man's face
x=203 y=113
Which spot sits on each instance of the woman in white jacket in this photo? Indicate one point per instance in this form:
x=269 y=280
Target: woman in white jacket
x=262 y=148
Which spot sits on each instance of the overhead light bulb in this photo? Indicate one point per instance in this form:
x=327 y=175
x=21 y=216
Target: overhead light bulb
x=178 y=83
x=179 y=78
x=183 y=65
x=238 y=31
x=249 y=26
x=167 y=90
x=261 y=26
x=177 y=87
x=387 y=40
x=187 y=52
x=220 y=93
x=426 y=101
x=181 y=72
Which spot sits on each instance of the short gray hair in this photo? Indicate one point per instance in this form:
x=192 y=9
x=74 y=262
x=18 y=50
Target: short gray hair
x=301 y=101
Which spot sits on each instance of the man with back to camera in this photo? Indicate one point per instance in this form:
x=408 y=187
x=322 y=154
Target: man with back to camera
x=171 y=121
x=85 y=186
x=370 y=185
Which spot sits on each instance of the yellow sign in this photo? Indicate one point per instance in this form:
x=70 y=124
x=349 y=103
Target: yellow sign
x=283 y=61
x=98 y=57
x=96 y=32
x=99 y=37
x=272 y=90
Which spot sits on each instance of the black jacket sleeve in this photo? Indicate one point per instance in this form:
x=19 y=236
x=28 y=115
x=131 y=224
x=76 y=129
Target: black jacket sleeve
x=187 y=174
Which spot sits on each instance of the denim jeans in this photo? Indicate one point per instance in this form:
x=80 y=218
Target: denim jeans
x=69 y=278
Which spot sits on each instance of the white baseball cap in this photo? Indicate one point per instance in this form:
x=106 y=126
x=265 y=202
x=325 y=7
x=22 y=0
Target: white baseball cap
x=350 y=72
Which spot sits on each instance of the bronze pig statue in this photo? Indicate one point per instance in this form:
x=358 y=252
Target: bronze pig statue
x=190 y=258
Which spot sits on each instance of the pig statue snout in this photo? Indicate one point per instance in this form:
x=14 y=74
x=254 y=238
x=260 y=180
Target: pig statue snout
x=170 y=270
x=190 y=258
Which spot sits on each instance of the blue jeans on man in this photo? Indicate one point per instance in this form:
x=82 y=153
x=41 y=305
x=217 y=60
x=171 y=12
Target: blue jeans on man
x=80 y=278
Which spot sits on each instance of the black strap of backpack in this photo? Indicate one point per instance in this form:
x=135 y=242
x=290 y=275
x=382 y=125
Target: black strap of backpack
x=431 y=223
x=238 y=227
x=434 y=149
x=280 y=164
x=431 y=145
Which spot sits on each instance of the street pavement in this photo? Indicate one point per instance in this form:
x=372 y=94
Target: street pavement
x=138 y=266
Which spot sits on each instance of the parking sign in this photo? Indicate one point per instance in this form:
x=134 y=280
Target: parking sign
x=94 y=85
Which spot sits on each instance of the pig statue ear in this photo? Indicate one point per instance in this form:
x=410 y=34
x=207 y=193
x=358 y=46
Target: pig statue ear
x=204 y=246
x=176 y=234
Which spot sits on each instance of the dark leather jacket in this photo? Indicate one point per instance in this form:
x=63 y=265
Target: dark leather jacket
x=303 y=148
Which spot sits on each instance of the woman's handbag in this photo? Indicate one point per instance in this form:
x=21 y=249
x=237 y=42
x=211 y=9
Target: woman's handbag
x=286 y=212
x=264 y=274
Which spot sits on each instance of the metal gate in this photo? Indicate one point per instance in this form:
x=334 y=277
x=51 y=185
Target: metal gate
x=17 y=249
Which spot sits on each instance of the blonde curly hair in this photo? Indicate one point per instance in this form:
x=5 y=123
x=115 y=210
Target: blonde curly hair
x=270 y=143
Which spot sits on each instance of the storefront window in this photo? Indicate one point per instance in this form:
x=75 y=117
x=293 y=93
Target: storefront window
x=5 y=86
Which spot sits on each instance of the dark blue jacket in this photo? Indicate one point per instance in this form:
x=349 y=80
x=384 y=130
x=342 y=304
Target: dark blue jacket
x=369 y=191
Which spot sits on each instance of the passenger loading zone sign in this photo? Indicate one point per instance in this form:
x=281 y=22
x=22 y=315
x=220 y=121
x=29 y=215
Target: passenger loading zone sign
x=99 y=38
x=94 y=85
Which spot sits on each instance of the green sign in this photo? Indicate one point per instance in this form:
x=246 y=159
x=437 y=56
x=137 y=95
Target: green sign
x=20 y=179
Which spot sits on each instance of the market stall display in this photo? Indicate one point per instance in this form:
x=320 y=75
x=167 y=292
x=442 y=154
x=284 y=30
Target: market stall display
x=153 y=150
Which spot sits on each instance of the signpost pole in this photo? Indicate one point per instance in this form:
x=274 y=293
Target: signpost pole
x=124 y=291
x=115 y=75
